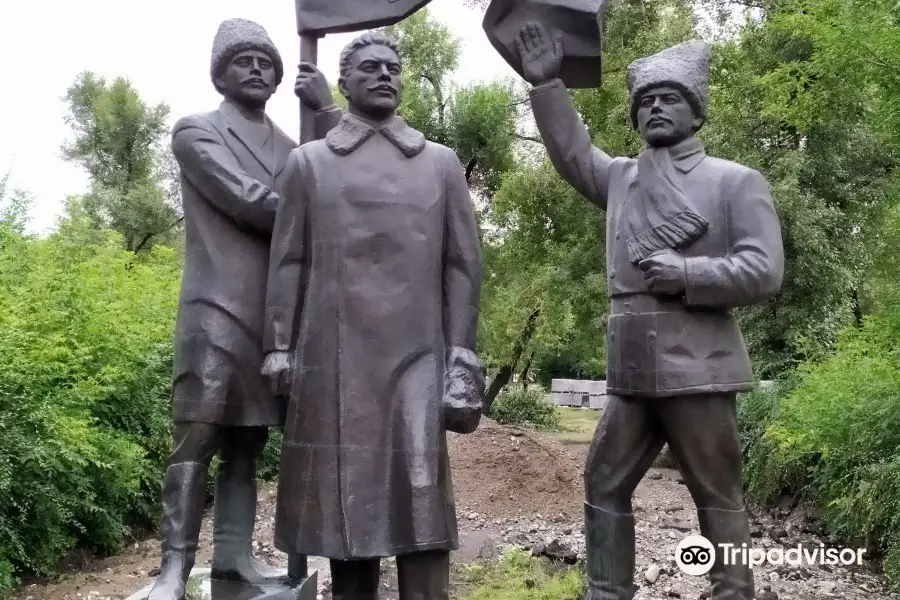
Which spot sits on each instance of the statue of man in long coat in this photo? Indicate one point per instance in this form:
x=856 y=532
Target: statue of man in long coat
x=231 y=161
x=688 y=238
x=371 y=319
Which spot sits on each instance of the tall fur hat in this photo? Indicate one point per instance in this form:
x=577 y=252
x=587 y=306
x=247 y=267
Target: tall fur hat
x=238 y=35
x=684 y=67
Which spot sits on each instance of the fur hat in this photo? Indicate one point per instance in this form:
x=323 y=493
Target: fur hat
x=684 y=67
x=238 y=35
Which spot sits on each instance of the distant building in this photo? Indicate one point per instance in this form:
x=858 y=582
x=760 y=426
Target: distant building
x=579 y=393
x=585 y=393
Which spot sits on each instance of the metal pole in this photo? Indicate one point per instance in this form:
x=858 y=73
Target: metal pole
x=309 y=52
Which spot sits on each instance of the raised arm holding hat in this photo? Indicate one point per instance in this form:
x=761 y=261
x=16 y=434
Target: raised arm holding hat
x=688 y=238
x=232 y=160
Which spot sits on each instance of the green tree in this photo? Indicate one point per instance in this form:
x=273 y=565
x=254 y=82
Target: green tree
x=14 y=207
x=120 y=141
x=806 y=109
x=477 y=121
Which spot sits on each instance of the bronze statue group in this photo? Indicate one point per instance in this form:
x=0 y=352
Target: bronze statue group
x=332 y=290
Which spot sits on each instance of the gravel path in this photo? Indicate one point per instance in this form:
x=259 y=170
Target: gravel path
x=523 y=490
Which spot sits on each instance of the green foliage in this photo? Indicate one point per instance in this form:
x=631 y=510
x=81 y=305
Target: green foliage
x=120 y=141
x=516 y=575
x=548 y=256
x=834 y=438
x=477 y=121
x=85 y=368
x=791 y=99
x=516 y=406
x=14 y=207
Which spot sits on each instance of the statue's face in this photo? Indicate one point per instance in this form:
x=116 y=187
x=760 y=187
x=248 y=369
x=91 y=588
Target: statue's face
x=665 y=117
x=373 y=84
x=249 y=78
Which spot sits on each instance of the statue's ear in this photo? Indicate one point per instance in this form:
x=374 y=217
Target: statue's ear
x=220 y=82
x=698 y=123
x=342 y=87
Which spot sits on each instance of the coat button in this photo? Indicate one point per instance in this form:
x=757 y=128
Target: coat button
x=612 y=337
x=618 y=235
x=612 y=274
x=652 y=335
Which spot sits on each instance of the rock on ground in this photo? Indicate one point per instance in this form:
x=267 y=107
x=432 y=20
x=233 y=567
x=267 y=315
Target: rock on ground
x=518 y=489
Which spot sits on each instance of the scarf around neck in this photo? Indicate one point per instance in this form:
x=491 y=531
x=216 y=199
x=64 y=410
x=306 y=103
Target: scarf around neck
x=662 y=216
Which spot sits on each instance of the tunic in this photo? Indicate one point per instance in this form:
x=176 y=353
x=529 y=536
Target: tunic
x=668 y=346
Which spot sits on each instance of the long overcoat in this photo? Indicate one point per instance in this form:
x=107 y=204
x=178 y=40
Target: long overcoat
x=376 y=247
x=691 y=344
x=228 y=188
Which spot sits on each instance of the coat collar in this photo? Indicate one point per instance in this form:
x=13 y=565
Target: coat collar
x=238 y=127
x=353 y=131
x=687 y=154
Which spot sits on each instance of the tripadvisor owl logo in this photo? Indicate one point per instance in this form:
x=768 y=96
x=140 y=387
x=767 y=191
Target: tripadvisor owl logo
x=695 y=555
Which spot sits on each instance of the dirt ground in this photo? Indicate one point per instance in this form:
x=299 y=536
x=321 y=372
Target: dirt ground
x=524 y=489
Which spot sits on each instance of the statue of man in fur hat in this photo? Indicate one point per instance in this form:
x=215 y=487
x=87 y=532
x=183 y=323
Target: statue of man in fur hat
x=689 y=237
x=232 y=160
x=371 y=316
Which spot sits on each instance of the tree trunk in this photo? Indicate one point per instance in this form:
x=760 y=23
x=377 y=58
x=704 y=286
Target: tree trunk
x=524 y=374
x=857 y=309
x=504 y=374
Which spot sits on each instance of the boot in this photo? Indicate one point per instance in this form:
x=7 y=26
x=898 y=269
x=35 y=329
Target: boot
x=234 y=514
x=731 y=581
x=424 y=575
x=610 y=554
x=355 y=579
x=184 y=495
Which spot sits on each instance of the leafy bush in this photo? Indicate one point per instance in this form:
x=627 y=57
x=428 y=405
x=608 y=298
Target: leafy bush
x=85 y=370
x=525 y=407
x=834 y=439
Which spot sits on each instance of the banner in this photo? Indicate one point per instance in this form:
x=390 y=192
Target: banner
x=321 y=17
x=578 y=21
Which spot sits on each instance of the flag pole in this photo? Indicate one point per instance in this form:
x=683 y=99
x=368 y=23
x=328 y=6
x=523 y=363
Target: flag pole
x=309 y=52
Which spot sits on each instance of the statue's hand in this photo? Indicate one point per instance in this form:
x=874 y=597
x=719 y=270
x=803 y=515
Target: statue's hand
x=541 y=56
x=665 y=272
x=279 y=370
x=312 y=87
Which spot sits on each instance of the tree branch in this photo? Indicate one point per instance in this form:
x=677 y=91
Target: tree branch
x=440 y=99
x=147 y=237
x=470 y=167
x=506 y=371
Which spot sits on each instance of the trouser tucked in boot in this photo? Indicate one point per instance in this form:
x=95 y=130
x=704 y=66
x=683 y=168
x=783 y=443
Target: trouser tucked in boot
x=420 y=576
x=234 y=512
x=701 y=431
x=184 y=494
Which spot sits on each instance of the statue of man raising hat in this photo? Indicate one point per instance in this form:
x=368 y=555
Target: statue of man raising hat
x=689 y=237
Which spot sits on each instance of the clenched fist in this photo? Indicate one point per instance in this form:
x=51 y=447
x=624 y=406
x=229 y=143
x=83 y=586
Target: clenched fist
x=665 y=272
x=278 y=368
x=312 y=87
